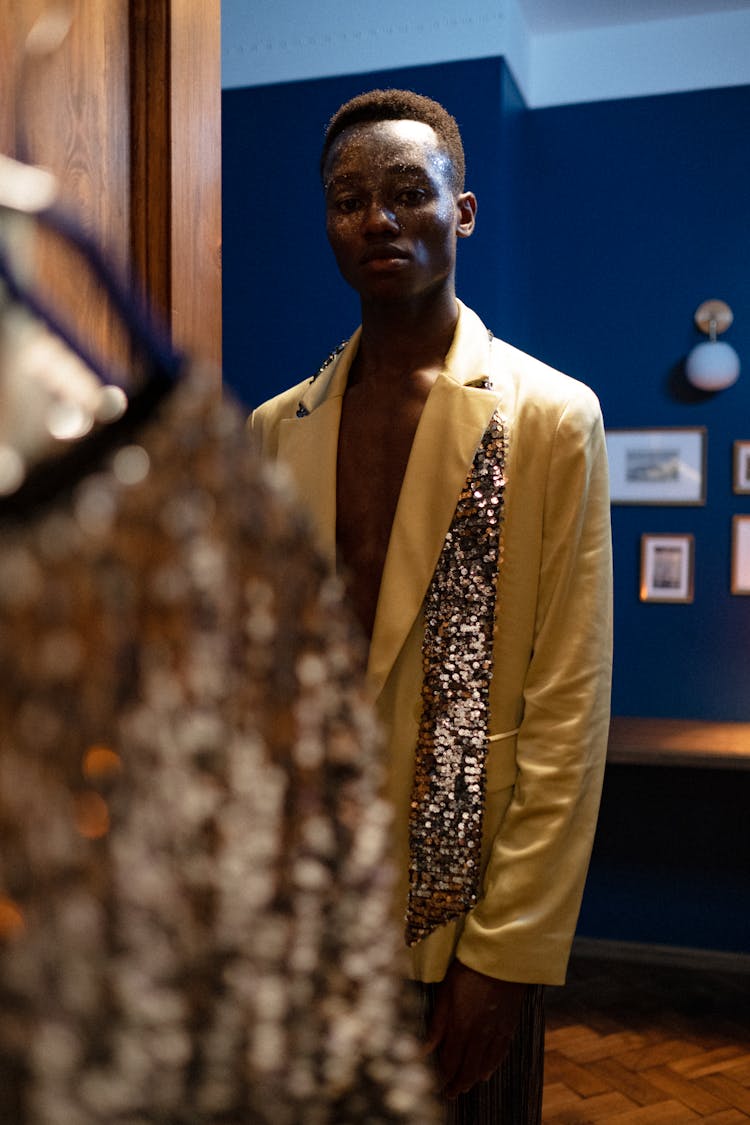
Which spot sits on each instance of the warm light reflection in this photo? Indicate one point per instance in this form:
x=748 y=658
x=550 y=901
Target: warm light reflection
x=131 y=464
x=91 y=815
x=12 y=923
x=68 y=421
x=112 y=404
x=101 y=763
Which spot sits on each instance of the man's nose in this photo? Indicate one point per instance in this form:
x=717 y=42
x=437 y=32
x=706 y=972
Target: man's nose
x=380 y=215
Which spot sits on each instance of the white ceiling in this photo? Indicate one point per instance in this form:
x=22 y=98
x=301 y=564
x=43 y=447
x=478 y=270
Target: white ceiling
x=559 y=51
x=569 y=15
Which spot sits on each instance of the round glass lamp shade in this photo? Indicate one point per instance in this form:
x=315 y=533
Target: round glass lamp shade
x=712 y=365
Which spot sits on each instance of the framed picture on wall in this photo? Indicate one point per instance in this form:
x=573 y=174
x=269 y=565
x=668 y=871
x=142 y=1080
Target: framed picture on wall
x=741 y=464
x=667 y=568
x=653 y=466
x=740 y=578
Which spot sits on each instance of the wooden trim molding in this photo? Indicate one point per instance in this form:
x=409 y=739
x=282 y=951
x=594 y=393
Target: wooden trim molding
x=195 y=136
x=175 y=57
x=150 y=164
x=658 y=956
x=679 y=742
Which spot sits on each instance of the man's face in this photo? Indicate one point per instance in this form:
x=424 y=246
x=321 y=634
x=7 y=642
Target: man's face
x=392 y=214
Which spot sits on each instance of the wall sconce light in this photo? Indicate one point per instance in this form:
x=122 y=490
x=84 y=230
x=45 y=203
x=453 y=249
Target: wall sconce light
x=713 y=364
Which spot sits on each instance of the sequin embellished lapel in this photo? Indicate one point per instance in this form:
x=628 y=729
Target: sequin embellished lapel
x=457 y=656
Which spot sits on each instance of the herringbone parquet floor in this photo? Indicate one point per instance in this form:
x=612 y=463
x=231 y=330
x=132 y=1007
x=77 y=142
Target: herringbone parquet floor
x=634 y=1045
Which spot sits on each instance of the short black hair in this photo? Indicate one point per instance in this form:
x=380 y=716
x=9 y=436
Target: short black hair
x=399 y=105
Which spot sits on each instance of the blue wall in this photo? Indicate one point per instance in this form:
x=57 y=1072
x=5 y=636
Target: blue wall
x=637 y=211
x=601 y=229
x=671 y=859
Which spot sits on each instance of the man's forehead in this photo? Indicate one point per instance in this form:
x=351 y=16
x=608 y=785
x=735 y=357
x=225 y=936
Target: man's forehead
x=404 y=129
x=399 y=144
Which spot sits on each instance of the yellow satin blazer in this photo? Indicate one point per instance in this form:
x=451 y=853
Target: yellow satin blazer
x=549 y=699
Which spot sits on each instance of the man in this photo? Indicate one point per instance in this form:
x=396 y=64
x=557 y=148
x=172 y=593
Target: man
x=460 y=488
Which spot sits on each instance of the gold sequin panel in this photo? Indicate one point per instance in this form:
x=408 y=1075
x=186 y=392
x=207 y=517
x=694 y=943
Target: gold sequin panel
x=449 y=782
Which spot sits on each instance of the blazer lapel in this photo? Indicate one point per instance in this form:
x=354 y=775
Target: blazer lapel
x=453 y=421
x=308 y=445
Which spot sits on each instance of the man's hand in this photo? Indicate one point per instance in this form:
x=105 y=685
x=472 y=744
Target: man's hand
x=472 y=1026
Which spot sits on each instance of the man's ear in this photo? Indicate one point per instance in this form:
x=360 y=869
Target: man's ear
x=466 y=209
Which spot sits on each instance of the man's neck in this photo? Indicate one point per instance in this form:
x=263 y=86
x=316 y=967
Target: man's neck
x=397 y=339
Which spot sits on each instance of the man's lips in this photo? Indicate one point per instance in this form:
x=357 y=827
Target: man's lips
x=383 y=254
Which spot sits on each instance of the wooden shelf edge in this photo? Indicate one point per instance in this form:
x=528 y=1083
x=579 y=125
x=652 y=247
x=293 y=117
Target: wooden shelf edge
x=679 y=742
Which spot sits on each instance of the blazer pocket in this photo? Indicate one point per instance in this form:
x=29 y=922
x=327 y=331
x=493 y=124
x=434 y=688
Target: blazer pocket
x=501 y=760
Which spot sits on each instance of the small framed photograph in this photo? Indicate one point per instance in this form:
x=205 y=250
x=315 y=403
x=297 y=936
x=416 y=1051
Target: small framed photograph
x=741 y=463
x=653 y=466
x=667 y=568
x=740 y=580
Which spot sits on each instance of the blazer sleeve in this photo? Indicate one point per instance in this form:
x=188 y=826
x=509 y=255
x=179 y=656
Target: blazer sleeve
x=523 y=926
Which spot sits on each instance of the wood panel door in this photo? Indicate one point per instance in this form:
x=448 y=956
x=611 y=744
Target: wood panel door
x=126 y=110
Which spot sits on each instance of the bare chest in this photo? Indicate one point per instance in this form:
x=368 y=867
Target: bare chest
x=373 y=452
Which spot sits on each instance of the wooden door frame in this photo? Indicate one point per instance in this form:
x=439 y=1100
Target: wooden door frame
x=175 y=59
x=134 y=132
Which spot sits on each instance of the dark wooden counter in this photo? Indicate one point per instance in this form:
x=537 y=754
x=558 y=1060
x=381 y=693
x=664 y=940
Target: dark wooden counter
x=679 y=742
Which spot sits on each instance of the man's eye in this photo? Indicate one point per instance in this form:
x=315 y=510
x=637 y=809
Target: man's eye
x=348 y=204
x=412 y=197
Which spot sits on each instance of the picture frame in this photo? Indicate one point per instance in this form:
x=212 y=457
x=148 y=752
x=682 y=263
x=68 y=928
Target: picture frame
x=740 y=571
x=741 y=467
x=657 y=466
x=667 y=567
